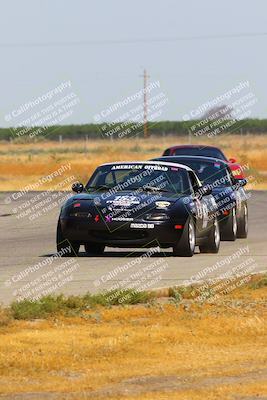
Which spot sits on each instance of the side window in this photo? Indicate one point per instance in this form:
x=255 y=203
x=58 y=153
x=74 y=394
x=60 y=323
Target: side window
x=109 y=179
x=113 y=178
x=193 y=180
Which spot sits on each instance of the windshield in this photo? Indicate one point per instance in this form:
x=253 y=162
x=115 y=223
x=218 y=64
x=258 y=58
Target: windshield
x=211 y=172
x=199 y=151
x=147 y=177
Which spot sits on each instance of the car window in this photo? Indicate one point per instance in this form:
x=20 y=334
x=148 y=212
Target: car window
x=166 y=152
x=111 y=179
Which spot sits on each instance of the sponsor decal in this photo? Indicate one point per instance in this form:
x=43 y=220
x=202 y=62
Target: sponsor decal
x=127 y=166
x=122 y=219
x=205 y=215
x=140 y=166
x=156 y=167
x=124 y=201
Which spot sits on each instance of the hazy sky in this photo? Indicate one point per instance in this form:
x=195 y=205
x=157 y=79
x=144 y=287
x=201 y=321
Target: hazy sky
x=190 y=72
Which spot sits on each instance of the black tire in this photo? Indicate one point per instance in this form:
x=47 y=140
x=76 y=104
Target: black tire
x=229 y=227
x=93 y=248
x=242 y=223
x=185 y=247
x=66 y=247
x=212 y=244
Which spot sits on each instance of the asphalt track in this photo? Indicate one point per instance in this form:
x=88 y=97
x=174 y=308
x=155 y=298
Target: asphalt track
x=28 y=267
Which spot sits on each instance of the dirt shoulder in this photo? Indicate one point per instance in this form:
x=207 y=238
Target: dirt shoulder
x=171 y=348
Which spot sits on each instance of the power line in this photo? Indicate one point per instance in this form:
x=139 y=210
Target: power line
x=132 y=41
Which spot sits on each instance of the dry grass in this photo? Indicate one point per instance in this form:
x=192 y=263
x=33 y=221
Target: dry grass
x=23 y=164
x=161 y=351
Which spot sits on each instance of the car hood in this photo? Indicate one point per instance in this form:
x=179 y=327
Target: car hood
x=125 y=198
x=125 y=203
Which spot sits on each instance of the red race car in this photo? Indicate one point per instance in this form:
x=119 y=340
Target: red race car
x=206 y=151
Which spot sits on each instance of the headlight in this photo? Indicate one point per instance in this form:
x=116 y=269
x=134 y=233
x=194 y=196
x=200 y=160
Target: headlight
x=162 y=204
x=157 y=217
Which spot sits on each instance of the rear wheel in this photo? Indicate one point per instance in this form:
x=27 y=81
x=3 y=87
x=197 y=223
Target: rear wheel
x=185 y=247
x=65 y=247
x=93 y=248
x=229 y=228
x=212 y=243
x=242 y=225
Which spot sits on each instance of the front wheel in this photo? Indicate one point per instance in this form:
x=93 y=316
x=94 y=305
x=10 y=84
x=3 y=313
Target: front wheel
x=212 y=244
x=185 y=247
x=65 y=247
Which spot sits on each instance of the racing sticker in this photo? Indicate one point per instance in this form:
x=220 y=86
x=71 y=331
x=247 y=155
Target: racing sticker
x=156 y=167
x=202 y=212
x=127 y=166
x=122 y=219
x=124 y=201
x=135 y=225
x=205 y=215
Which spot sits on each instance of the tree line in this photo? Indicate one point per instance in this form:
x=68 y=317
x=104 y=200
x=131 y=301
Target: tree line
x=113 y=131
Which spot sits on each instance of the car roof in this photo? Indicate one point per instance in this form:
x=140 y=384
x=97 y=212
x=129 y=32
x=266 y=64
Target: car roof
x=196 y=158
x=197 y=146
x=167 y=164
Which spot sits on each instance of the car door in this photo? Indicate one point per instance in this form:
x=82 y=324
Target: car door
x=204 y=206
x=198 y=208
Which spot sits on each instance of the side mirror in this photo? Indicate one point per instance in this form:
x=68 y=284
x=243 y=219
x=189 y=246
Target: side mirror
x=240 y=182
x=232 y=160
x=203 y=191
x=207 y=190
x=77 y=187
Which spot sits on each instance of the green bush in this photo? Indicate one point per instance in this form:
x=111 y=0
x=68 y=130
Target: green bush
x=52 y=305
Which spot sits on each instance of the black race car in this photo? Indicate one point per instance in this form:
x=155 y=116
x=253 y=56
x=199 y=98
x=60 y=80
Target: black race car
x=139 y=204
x=228 y=192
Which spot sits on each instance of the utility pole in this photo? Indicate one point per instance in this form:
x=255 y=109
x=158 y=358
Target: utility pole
x=145 y=76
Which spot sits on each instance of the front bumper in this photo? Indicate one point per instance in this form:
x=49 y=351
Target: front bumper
x=121 y=234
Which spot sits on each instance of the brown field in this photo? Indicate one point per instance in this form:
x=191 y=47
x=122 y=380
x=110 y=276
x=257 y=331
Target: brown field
x=23 y=164
x=154 y=352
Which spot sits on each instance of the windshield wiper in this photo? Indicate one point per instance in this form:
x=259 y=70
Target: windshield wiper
x=154 y=189
x=146 y=188
x=100 y=187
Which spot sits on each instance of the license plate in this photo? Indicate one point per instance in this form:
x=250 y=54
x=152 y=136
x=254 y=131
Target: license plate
x=142 y=226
